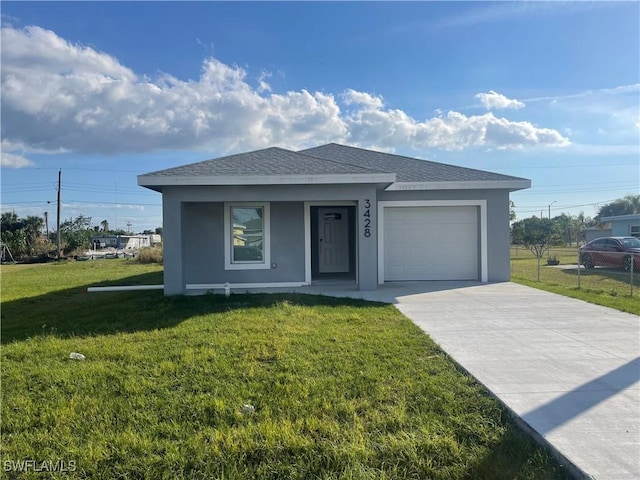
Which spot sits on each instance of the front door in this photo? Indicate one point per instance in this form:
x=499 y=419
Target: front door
x=333 y=241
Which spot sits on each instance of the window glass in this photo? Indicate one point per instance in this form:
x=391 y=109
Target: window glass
x=631 y=242
x=247 y=231
x=611 y=245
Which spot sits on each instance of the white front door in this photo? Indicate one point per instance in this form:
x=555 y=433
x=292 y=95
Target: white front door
x=333 y=240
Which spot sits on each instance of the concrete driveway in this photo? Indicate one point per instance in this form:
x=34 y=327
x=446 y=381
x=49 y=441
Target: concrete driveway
x=568 y=369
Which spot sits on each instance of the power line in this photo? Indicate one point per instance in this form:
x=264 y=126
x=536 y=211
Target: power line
x=581 y=165
x=117 y=170
x=578 y=190
x=536 y=208
x=113 y=205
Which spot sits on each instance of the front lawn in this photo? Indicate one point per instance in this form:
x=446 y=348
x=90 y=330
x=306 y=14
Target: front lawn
x=251 y=386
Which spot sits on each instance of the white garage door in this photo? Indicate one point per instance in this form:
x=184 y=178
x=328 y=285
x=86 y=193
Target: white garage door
x=431 y=243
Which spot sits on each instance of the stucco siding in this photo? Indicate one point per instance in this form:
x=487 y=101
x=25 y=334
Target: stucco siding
x=203 y=245
x=194 y=220
x=172 y=243
x=622 y=228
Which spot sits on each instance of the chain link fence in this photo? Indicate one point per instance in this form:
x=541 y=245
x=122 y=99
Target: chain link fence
x=607 y=272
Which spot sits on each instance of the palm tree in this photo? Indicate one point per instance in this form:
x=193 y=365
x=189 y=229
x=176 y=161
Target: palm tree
x=10 y=222
x=105 y=225
x=32 y=229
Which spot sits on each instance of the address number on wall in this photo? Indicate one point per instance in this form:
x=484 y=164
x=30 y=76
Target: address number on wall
x=367 y=218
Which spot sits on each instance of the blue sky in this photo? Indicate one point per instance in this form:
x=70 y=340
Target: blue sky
x=105 y=91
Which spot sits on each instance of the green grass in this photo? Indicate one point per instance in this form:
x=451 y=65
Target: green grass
x=341 y=388
x=609 y=287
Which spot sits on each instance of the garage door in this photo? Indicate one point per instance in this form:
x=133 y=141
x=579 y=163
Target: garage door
x=431 y=243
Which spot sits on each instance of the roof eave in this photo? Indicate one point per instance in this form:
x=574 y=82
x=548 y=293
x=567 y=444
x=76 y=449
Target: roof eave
x=512 y=185
x=617 y=218
x=155 y=182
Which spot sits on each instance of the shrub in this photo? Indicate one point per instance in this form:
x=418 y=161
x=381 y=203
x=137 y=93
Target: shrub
x=150 y=255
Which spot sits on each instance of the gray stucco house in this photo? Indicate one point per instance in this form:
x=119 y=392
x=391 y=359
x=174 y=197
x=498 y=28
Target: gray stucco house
x=281 y=218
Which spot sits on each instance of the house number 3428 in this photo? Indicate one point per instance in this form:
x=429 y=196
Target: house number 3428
x=367 y=218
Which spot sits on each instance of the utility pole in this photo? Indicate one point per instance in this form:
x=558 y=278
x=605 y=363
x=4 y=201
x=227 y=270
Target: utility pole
x=58 y=219
x=46 y=223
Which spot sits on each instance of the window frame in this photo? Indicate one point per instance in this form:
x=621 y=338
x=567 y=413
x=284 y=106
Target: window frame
x=634 y=230
x=229 y=262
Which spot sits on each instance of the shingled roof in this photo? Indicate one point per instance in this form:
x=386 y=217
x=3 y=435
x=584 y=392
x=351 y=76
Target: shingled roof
x=407 y=169
x=327 y=164
x=264 y=167
x=269 y=161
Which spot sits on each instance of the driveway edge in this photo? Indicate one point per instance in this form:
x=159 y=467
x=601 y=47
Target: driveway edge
x=527 y=429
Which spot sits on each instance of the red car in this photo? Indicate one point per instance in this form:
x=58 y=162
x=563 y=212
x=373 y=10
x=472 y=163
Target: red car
x=611 y=252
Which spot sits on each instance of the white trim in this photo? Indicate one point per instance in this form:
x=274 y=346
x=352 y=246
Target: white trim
x=213 y=286
x=307 y=232
x=307 y=242
x=123 y=288
x=516 y=184
x=158 y=180
x=614 y=218
x=265 y=264
x=484 y=265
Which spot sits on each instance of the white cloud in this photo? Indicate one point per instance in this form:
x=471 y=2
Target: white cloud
x=614 y=110
x=12 y=160
x=482 y=12
x=57 y=95
x=63 y=97
x=353 y=97
x=263 y=86
x=374 y=126
x=494 y=100
x=633 y=88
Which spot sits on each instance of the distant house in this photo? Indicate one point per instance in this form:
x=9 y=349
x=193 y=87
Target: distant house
x=155 y=239
x=615 y=226
x=624 y=225
x=124 y=242
x=99 y=242
x=281 y=218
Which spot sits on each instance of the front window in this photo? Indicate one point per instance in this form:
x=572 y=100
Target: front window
x=246 y=236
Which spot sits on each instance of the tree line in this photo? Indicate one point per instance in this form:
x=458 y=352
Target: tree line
x=540 y=234
x=24 y=236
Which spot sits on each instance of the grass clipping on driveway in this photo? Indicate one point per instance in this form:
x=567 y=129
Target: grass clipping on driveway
x=339 y=389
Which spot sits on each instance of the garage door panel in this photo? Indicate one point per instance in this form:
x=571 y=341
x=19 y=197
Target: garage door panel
x=431 y=243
